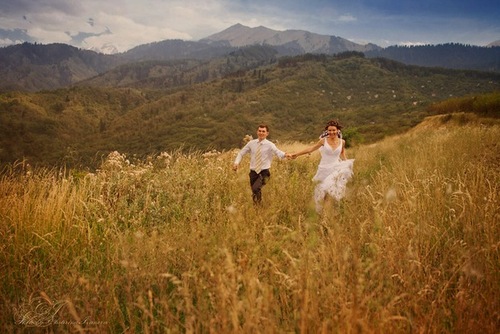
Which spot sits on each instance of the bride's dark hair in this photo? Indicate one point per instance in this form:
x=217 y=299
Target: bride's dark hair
x=334 y=123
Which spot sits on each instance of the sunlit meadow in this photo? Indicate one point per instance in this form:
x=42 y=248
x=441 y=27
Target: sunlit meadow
x=173 y=243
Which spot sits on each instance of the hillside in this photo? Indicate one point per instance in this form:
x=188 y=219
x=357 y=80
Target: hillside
x=455 y=56
x=35 y=67
x=32 y=67
x=168 y=74
x=295 y=96
x=175 y=50
x=173 y=243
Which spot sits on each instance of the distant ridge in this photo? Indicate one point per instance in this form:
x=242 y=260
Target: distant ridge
x=34 y=67
x=299 y=40
x=495 y=43
x=450 y=55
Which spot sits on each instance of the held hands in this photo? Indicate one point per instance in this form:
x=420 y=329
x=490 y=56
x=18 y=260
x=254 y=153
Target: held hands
x=288 y=156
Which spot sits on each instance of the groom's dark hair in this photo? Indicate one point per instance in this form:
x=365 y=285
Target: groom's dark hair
x=264 y=126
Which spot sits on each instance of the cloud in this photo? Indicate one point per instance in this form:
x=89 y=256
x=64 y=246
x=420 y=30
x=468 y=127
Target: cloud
x=79 y=38
x=19 y=8
x=14 y=36
x=124 y=33
x=347 y=18
x=45 y=36
x=128 y=23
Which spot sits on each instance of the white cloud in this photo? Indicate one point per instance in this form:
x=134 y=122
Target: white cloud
x=133 y=22
x=347 y=18
x=48 y=36
x=7 y=42
x=125 y=33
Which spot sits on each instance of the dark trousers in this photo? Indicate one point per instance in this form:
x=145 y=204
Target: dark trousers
x=257 y=181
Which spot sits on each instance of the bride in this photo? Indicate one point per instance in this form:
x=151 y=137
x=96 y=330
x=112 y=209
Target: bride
x=334 y=169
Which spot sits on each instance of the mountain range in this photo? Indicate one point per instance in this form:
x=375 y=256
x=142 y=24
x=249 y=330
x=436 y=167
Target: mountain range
x=290 y=42
x=34 y=67
x=63 y=105
x=166 y=106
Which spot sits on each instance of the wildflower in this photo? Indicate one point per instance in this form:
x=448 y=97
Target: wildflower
x=164 y=156
x=247 y=138
x=115 y=161
x=391 y=195
x=231 y=209
x=212 y=153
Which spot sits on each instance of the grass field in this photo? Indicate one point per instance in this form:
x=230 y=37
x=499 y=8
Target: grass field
x=173 y=244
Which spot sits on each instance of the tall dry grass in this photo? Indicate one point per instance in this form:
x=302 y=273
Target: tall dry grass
x=173 y=243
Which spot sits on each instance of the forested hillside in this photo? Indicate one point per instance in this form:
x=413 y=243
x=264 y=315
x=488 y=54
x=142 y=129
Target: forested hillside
x=35 y=67
x=451 y=55
x=295 y=96
x=167 y=74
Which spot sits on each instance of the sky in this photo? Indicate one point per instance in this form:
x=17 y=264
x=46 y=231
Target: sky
x=119 y=25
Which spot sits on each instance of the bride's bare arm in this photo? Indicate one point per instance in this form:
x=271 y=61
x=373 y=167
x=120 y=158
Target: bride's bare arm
x=309 y=149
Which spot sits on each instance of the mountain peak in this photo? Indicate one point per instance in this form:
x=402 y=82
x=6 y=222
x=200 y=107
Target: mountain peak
x=301 y=41
x=240 y=35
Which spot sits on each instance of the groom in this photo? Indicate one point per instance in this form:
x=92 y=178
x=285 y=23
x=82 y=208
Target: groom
x=261 y=152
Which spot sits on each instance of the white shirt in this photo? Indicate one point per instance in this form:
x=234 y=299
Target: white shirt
x=268 y=150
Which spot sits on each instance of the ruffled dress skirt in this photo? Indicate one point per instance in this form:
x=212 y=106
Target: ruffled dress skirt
x=331 y=179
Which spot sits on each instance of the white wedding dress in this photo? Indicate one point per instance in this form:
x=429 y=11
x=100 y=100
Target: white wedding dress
x=332 y=175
